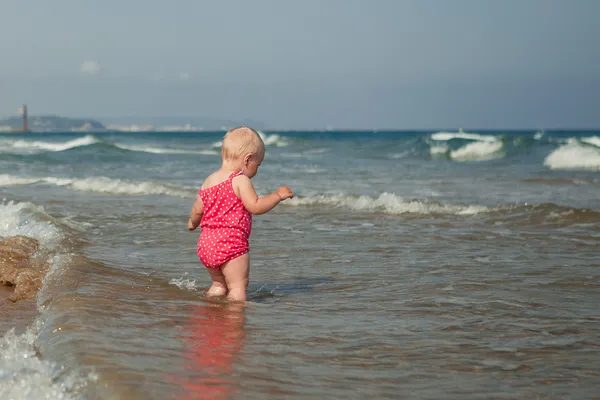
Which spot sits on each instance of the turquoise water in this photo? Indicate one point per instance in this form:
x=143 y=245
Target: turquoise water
x=409 y=264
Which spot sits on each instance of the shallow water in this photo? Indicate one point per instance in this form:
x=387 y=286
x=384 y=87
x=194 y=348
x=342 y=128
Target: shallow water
x=409 y=265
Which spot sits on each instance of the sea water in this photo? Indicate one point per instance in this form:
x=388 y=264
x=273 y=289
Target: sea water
x=408 y=265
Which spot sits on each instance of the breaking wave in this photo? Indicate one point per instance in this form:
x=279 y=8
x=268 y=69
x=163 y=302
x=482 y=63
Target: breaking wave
x=105 y=185
x=445 y=136
x=29 y=220
x=29 y=238
x=33 y=147
x=480 y=147
x=164 y=150
x=31 y=250
x=479 y=151
x=576 y=155
x=593 y=140
x=24 y=376
x=388 y=203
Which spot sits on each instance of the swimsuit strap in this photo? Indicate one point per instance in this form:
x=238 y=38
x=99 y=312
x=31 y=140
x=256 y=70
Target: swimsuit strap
x=234 y=174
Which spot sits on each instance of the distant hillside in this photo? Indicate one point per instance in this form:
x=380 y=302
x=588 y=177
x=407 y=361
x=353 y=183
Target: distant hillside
x=52 y=123
x=166 y=123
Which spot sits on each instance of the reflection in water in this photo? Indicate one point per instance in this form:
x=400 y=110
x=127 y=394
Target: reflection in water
x=214 y=336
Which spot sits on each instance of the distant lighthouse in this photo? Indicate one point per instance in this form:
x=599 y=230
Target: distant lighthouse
x=24 y=124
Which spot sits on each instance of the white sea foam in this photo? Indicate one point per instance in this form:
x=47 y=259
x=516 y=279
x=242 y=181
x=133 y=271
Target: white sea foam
x=9 y=180
x=164 y=150
x=435 y=150
x=387 y=202
x=31 y=147
x=445 y=136
x=24 y=376
x=478 y=151
x=184 y=283
x=273 y=139
x=593 y=140
x=574 y=156
x=482 y=147
x=23 y=219
x=102 y=184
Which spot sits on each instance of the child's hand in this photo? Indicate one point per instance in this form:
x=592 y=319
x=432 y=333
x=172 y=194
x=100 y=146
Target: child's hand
x=285 y=192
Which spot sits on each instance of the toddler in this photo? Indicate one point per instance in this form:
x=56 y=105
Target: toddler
x=223 y=209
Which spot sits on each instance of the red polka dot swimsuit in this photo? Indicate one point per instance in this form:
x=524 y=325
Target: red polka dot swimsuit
x=225 y=223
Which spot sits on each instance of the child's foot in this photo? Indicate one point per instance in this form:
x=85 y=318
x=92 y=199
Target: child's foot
x=219 y=284
x=237 y=294
x=216 y=291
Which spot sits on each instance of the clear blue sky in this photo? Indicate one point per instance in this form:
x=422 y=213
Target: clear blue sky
x=307 y=64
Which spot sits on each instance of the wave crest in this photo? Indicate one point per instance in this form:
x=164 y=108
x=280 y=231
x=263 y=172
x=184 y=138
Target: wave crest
x=163 y=150
x=33 y=147
x=28 y=236
x=478 y=151
x=574 y=155
x=105 y=185
x=26 y=376
x=388 y=203
x=445 y=136
x=480 y=148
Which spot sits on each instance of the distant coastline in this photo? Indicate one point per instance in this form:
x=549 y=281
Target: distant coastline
x=54 y=123
x=51 y=123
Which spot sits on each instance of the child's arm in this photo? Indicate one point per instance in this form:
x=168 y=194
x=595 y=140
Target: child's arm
x=196 y=214
x=255 y=204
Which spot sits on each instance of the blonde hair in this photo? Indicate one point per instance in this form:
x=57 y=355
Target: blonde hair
x=241 y=141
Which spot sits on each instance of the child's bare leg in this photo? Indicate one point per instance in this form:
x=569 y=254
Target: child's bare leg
x=236 y=274
x=219 y=284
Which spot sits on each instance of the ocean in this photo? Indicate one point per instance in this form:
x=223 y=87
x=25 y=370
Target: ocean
x=418 y=265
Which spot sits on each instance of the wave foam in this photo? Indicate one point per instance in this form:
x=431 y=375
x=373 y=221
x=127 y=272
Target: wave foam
x=29 y=239
x=538 y=135
x=23 y=219
x=29 y=147
x=482 y=147
x=273 y=139
x=33 y=147
x=436 y=150
x=184 y=283
x=574 y=156
x=478 y=151
x=23 y=374
x=593 y=140
x=387 y=202
x=26 y=377
x=445 y=136
x=105 y=185
x=164 y=150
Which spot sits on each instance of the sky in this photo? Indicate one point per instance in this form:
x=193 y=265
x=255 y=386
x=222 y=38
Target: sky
x=311 y=64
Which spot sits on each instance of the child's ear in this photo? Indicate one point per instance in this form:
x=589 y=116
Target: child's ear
x=248 y=158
